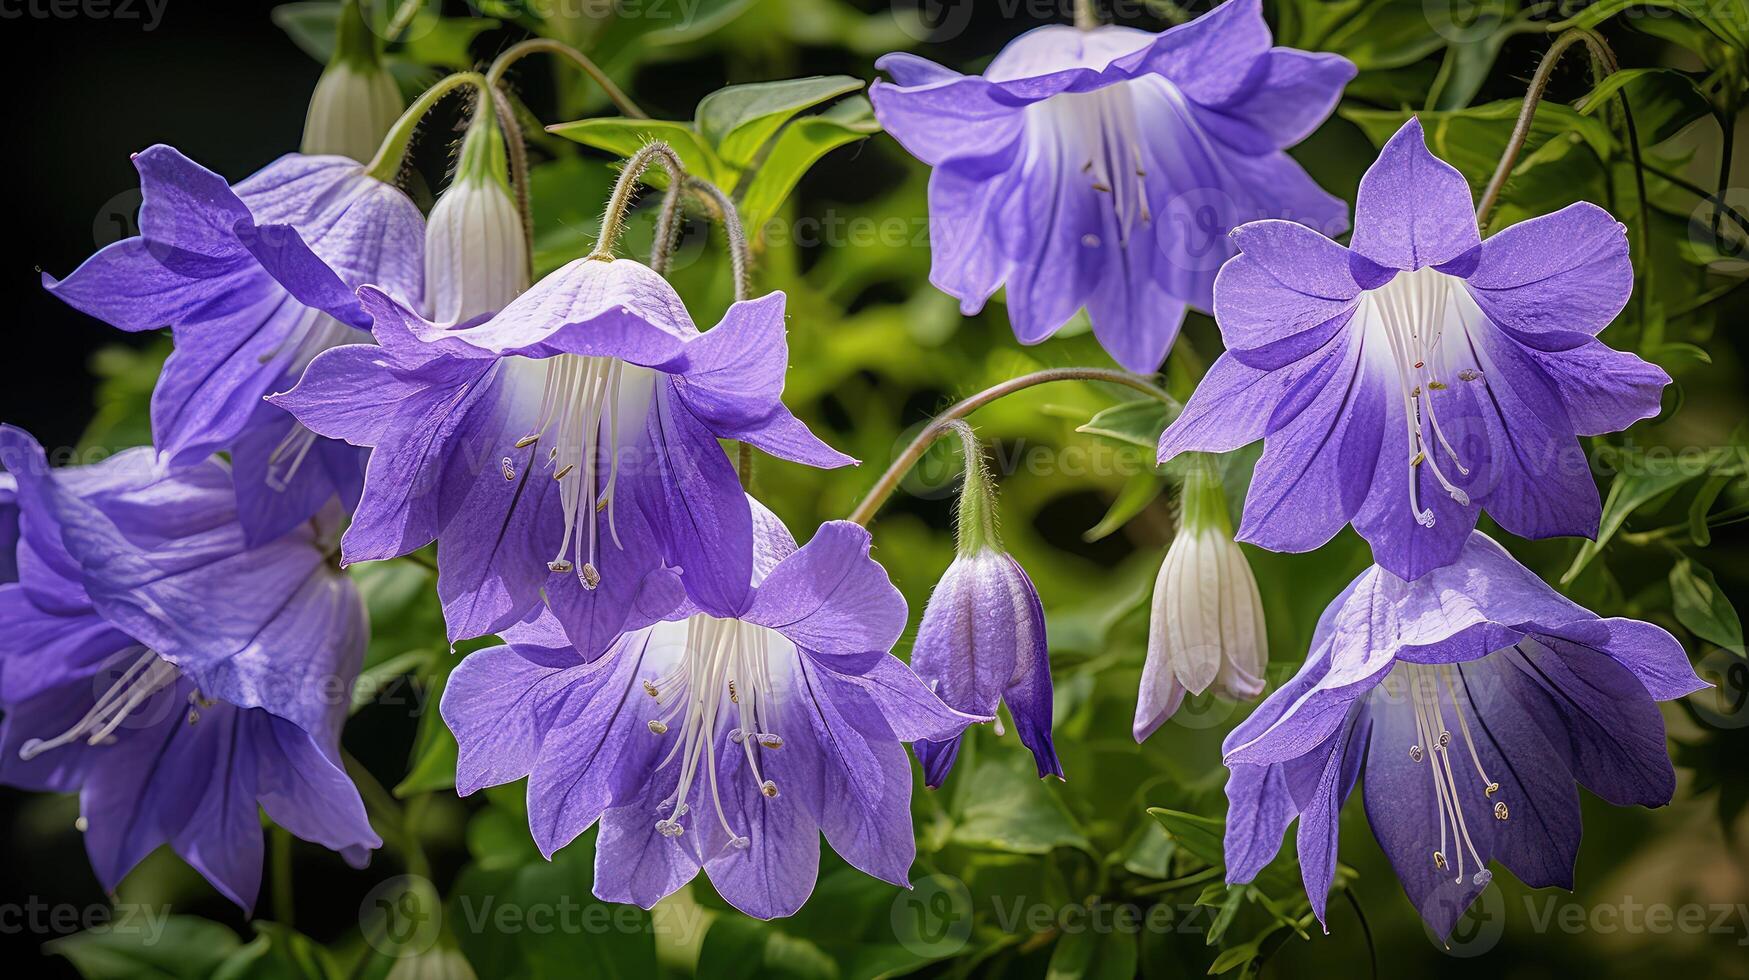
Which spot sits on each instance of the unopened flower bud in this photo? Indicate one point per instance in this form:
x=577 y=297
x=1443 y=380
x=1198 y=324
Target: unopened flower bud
x=356 y=100
x=476 y=255
x=982 y=640
x=1206 y=627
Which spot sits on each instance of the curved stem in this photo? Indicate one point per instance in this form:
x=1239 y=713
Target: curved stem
x=516 y=52
x=516 y=150
x=386 y=165
x=667 y=237
x=1372 y=953
x=1533 y=96
x=613 y=220
x=740 y=255
x=940 y=425
x=403 y=18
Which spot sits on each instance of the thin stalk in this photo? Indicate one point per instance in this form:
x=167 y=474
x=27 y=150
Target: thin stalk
x=613 y=220
x=1087 y=14
x=386 y=165
x=740 y=253
x=939 y=426
x=516 y=151
x=283 y=902
x=403 y=18
x=1533 y=96
x=516 y=52
x=1372 y=953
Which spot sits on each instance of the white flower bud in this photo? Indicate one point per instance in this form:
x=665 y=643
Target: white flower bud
x=1205 y=628
x=351 y=111
x=356 y=100
x=476 y=256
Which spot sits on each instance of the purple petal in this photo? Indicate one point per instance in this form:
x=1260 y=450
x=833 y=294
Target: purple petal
x=1555 y=279
x=1604 y=390
x=734 y=384
x=1413 y=209
x=831 y=598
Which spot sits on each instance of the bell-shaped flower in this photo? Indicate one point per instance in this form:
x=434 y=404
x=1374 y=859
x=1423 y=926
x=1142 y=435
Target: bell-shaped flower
x=253 y=281
x=1472 y=700
x=982 y=641
x=476 y=254
x=1102 y=169
x=1419 y=375
x=174 y=676
x=356 y=100
x=567 y=446
x=1205 y=625
x=727 y=743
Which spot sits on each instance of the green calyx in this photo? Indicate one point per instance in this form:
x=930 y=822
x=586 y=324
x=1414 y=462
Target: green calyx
x=355 y=44
x=483 y=155
x=1203 y=499
x=976 y=527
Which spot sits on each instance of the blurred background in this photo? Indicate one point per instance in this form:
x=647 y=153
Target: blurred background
x=1015 y=877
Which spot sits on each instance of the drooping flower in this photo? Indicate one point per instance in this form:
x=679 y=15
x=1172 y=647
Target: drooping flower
x=253 y=281
x=982 y=640
x=1205 y=625
x=1102 y=169
x=1472 y=699
x=476 y=255
x=1420 y=375
x=727 y=741
x=566 y=446
x=172 y=675
x=356 y=100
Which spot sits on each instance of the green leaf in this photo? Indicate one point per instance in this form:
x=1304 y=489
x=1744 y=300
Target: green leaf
x=279 y=952
x=739 y=119
x=801 y=144
x=1091 y=955
x=431 y=764
x=1702 y=607
x=432 y=40
x=187 y=947
x=624 y=137
x=1627 y=493
x=1003 y=809
x=1138 y=492
x=1200 y=836
x=1373 y=34
x=1663 y=100
x=1137 y=423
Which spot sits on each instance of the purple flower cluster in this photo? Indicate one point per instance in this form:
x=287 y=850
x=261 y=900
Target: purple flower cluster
x=178 y=638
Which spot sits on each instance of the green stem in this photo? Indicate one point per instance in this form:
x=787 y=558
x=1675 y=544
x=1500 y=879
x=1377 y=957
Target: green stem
x=283 y=903
x=740 y=252
x=1533 y=96
x=613 y=220
x=1087 y=14
x=403 y=18
x=1177 y=884
x=516 y=153
x=517 y=51
x=1372 y=952
x=937 y=427
x=976 y=529
x=386 y=165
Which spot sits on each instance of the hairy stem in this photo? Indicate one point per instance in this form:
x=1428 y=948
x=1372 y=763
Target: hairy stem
x=613 y=220
x=386 y=165
x=740 y=253
x=941 y=424
x=516 y=52
x=516 y=150
x=1533 y=96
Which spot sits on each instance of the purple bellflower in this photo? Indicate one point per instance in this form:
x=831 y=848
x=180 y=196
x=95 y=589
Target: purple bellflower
x=174 y=676
x=566 y=445
x=1421 y=374
x=1472 y=699
x=1102 y=169
x=727 y=739
x=982 y=641
x=253 y=281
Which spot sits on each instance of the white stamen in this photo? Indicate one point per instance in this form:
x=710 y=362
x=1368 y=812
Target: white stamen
x=146 y=676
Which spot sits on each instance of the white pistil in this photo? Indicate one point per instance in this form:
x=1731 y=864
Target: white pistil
x=1430 y=730
x=146 y=676
x=723 y=679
